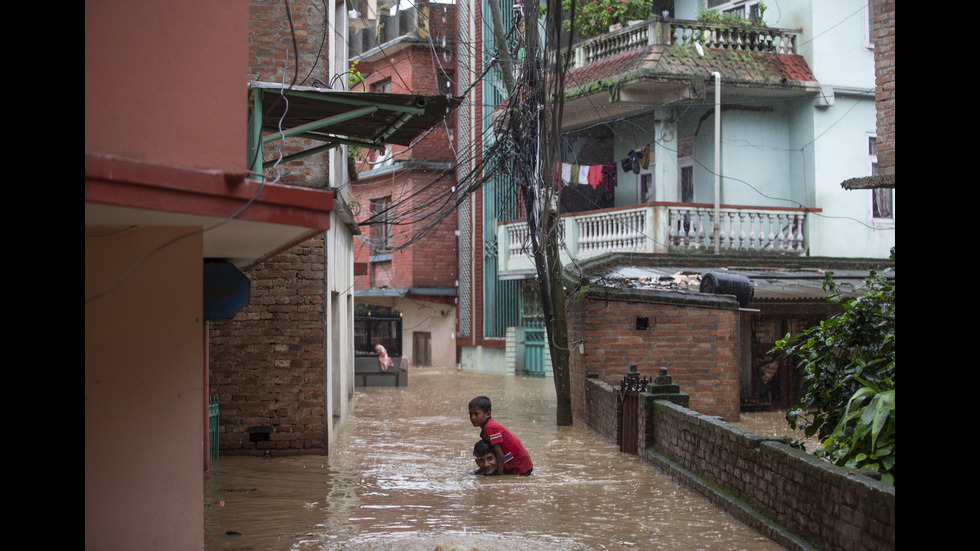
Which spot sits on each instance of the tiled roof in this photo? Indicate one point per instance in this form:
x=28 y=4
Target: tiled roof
x=684 y=63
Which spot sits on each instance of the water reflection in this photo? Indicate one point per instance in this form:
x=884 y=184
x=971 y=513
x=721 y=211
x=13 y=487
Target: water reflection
x=398 y=480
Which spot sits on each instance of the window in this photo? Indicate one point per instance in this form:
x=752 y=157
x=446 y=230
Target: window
x=881 y=198
x=746 y=9
x=685 y=168
x=447 y=78
x=382 y=86
x=646 y=185
x=381 y=227
x=645 y=178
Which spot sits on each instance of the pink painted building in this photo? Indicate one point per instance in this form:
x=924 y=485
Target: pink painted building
x=165 y=163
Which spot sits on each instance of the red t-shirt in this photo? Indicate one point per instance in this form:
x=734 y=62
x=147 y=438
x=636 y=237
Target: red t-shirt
x=516 y=458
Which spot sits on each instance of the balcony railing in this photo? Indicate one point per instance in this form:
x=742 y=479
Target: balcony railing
x=742 y=38
x=660 y=228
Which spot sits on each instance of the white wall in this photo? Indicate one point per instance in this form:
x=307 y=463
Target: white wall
x=485 y=359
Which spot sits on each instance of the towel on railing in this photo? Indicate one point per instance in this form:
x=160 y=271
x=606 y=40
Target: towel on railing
x=383 y=358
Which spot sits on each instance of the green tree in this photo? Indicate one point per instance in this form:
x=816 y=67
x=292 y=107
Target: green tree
x=848 y=363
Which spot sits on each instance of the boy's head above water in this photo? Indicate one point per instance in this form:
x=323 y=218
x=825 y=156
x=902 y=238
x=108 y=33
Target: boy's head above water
x=479 y=410
x=485 y=458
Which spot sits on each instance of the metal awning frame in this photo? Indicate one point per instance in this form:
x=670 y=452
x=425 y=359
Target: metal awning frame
x=372 y=134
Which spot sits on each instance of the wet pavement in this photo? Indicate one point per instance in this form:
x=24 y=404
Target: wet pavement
x=399 y=479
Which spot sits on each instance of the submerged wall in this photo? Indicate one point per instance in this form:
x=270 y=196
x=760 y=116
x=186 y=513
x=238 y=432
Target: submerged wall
x=794 y=498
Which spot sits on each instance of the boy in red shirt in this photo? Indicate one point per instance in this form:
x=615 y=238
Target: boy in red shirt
x=510 y=454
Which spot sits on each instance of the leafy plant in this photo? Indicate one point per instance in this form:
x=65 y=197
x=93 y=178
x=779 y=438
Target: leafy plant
x=736 y=18
x=593 y=17
x=354 y=77
x=848 y=363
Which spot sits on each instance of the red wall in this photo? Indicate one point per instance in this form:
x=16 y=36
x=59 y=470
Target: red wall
x=432 y=261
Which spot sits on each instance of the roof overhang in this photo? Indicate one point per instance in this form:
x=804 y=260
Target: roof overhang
x=884 y=181
x=402 y=293
x=244 y=221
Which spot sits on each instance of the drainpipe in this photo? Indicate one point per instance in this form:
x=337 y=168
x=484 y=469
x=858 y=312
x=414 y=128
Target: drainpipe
x=717 y=228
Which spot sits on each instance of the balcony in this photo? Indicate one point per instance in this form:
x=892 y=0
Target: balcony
x=658 y=228
x=675 y=32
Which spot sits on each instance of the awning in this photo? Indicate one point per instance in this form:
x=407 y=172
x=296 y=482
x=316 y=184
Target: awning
x=335 y=118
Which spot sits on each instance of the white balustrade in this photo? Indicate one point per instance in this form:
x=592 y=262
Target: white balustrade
x=687 y=228
x=615 y=231
x=719 y=36
x=742 y=229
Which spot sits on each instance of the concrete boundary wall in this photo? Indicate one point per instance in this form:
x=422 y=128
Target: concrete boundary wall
x=792 y=497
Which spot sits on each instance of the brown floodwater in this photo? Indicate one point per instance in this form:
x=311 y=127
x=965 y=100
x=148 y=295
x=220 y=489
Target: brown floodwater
x=398 y=480
x=774 y=423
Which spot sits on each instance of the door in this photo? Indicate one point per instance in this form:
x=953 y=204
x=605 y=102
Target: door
x=423 y=348
x=534 y=341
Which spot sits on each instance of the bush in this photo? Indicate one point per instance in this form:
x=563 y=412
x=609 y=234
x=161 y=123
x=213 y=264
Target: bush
x=593 y=17
x=848 y=363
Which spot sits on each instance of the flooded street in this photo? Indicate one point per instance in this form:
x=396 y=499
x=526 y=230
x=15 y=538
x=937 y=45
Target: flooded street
x=398 y=479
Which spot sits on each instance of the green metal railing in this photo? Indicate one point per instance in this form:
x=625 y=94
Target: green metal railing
x=213 y=427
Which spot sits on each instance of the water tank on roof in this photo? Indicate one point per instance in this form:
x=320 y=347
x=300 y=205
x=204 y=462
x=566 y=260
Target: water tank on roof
x=721 y=283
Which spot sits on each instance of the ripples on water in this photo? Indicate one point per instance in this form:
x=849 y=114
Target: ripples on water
x=398 y=479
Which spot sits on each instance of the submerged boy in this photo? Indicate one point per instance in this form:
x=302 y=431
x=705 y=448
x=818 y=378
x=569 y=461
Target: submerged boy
x=509 y=454
x=486 y=461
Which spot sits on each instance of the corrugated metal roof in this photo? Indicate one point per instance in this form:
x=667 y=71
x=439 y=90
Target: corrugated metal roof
x=399 y=119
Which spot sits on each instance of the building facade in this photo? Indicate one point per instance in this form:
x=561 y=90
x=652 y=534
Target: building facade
x=406 y=255
x=167 y=197
x=701 y=124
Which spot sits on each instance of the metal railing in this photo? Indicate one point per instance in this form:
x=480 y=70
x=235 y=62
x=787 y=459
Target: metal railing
x=213 y=427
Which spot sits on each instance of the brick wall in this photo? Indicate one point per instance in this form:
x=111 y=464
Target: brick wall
x=884 y=40
x=695 y=338
x=271 y=58
x=600 y=409
x=432 y=261
x=267 y=364
x=793 y=498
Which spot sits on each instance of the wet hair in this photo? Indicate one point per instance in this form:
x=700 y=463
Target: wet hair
x=482 y=448
x=481 y=402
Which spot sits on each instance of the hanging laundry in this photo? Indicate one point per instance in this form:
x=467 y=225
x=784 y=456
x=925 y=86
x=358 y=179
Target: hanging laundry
x=566 y=173
x=609 y=173
x=628 y=161
x=646 y=156
x=595 y=175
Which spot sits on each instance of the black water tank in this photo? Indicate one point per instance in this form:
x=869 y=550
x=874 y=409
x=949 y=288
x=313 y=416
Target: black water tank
x=720 y=283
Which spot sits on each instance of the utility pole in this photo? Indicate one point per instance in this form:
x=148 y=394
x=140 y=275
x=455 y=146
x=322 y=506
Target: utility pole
x=533 y=124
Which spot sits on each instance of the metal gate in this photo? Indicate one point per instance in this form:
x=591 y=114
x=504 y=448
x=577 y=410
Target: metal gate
x=629 y=411
x=534 y=341
x=213 y=427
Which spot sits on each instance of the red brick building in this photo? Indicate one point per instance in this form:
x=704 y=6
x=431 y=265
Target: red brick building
x=280 y=369
x=406 y=256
